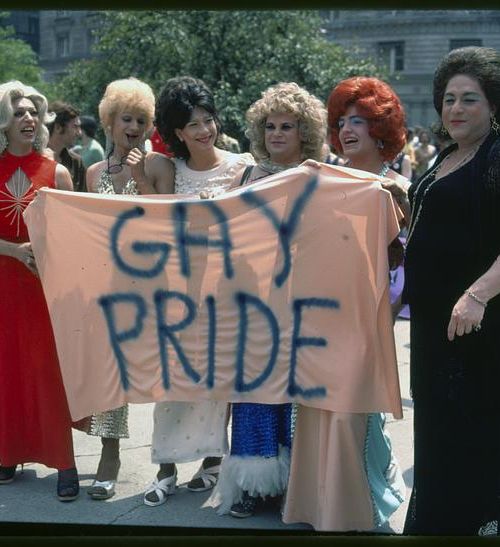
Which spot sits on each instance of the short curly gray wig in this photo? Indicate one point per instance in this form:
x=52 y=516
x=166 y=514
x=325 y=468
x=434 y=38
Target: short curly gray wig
x=288 y=97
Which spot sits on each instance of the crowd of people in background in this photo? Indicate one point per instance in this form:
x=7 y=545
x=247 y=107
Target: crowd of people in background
x=337 y=472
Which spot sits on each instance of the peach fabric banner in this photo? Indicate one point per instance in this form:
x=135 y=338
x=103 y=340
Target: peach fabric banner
x=271 y=293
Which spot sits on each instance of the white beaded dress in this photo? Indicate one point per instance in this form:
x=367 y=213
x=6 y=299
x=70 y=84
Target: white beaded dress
x=187 y=431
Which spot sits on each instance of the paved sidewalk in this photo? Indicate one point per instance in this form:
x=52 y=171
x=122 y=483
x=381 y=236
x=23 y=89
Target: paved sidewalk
x=31 y=497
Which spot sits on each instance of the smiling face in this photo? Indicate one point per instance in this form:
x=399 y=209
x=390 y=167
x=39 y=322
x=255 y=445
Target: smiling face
x=466 y=112
x=129 y=128
x=24 y=124
x=282 y=138
x=354 y=136
x=200 y=133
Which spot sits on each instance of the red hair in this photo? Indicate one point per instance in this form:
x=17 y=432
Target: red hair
x=378 y=103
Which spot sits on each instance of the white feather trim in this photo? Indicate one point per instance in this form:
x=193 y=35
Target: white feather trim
x=257 y=475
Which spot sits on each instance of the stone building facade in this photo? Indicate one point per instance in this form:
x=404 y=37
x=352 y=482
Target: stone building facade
x=410 y=43
x=26 y=23
x=65 y=36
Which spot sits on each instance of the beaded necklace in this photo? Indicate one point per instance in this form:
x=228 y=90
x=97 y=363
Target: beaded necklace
x=271 y=167
x=384 y=170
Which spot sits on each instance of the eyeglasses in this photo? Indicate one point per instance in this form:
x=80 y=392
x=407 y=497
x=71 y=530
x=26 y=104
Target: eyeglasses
x=117 y=167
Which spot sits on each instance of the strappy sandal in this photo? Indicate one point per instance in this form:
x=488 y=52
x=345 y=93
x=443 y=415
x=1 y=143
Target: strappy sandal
x=204 y=479
x=162 y=488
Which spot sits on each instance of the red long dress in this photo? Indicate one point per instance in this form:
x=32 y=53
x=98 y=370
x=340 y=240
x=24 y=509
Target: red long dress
x=35 y=424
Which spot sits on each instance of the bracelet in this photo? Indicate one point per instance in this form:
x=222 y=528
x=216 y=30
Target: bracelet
x=475 y=298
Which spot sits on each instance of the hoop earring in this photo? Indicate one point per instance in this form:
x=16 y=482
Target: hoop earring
x=495 y=127
x=3 y=142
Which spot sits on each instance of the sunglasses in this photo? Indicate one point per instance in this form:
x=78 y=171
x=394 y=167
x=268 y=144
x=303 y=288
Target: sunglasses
x=116 y=167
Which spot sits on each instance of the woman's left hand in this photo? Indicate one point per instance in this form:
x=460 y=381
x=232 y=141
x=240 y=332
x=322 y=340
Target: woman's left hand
x=466 y=316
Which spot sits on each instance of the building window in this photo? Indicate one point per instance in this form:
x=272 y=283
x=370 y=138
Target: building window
x=465 y=42
x=392 y=54
x=32 y=25
x=62 y=45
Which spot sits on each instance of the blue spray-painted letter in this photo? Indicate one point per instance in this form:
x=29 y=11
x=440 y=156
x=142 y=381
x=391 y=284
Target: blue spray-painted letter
x=185 y=239
x=285 y=228
x=243 y=299
x=116 y=338
x=166 y=332
x=139 y=247
x=301 y=341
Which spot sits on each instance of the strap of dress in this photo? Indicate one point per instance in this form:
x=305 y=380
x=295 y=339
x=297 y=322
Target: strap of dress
x=246 y=174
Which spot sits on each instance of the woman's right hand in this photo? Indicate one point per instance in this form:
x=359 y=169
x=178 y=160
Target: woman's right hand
x=311 y=163
x=24 y=253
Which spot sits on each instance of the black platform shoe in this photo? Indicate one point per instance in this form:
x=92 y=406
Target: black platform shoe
x=7 y=474
x=68 y=487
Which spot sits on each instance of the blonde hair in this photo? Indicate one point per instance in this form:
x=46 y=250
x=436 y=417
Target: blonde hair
x=12 y=91
x=126 y=94
x=291 y=99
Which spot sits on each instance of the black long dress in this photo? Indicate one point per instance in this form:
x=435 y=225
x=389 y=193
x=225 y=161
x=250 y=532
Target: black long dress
x=455 y=385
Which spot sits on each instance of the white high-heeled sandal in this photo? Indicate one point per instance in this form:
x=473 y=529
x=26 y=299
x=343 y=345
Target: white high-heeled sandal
x=208 y=476
x=162 y=488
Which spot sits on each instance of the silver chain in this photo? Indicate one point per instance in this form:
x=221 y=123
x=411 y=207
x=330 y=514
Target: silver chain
x=414 y=219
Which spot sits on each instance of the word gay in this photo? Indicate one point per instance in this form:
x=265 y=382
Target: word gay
x=285 y=230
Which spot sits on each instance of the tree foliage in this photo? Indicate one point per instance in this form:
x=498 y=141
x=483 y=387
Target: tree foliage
x=237 y=53
x=17 y=60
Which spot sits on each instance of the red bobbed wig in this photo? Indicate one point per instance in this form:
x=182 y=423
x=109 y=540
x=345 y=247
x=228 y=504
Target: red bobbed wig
x=378 y=104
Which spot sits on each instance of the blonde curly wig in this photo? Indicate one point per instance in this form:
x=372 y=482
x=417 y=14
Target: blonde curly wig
x=126 y=94
x=288 y=97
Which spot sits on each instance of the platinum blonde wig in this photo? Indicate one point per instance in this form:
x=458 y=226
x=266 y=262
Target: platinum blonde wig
x=13 y=90
x=291 y=99
x=123 y=95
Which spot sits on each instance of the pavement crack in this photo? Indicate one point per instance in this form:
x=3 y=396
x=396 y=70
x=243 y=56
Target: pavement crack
x=124 y=514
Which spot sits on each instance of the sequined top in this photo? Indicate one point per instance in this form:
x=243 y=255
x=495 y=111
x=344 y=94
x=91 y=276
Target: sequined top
x=112 y=423
x=218 y=179
x=105 y=185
